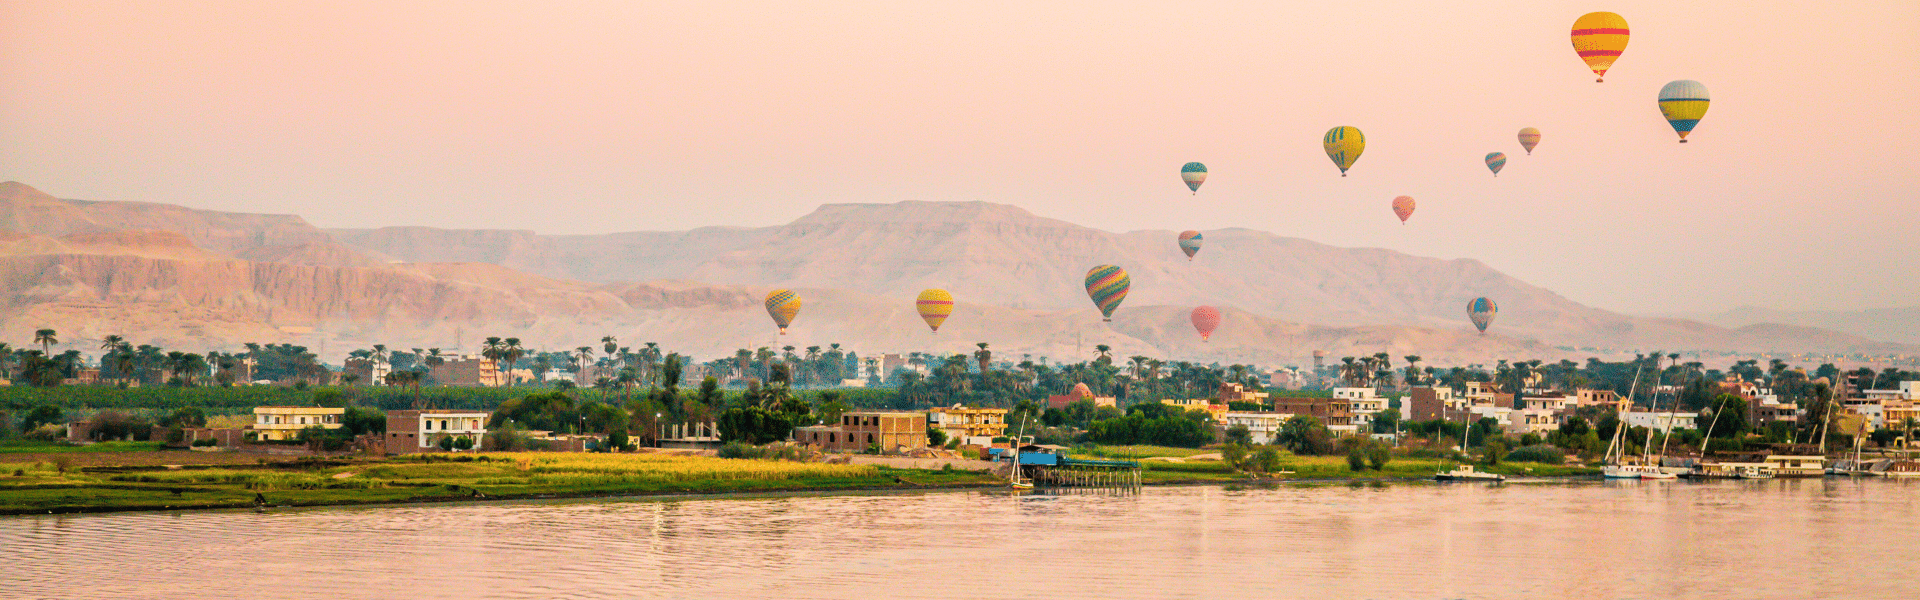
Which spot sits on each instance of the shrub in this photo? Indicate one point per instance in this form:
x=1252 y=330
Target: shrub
x=1356 y=460
x=1537 y=454
x=446 y=443
x=47 y=433
x=463 y=443
x=1378 y=455
x=206 y=442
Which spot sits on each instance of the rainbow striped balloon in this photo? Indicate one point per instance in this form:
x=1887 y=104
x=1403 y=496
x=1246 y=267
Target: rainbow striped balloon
x=1194 y=174
x=1599 y=38
x=935 y=306
x=1529 y=137
x=1205 y=320
x=1495 y=160
x=1190 y=243
x=783 y=306
x=1107 y=286
x=1683 y=103
x=1480 y=311
x=1344 y=145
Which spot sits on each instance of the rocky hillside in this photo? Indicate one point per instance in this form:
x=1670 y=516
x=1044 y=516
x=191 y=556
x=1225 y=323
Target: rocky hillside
x=179 y=276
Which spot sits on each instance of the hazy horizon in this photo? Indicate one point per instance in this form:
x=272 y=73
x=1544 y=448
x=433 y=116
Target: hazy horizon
x=597 y=118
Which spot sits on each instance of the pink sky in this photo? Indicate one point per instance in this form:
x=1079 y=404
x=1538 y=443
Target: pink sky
x=599 y=117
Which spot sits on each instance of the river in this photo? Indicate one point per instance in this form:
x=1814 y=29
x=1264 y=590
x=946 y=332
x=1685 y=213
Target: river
x=1566 y=539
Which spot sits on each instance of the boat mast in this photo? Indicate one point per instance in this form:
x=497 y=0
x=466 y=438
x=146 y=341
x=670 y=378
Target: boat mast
x=1646 y=451
x=1620 y=424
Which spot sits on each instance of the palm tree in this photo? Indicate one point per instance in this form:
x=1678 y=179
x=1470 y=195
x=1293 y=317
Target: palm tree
x=585 y=352
x=46 y=338
x=983 y=356
x=511 y=351
x=409 y=378
x=1103 y=354
x=6 y=356
x=610 y=345
x=1910 y=424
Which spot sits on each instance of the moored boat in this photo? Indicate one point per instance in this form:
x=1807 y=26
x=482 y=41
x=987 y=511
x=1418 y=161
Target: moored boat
x=1467 y=473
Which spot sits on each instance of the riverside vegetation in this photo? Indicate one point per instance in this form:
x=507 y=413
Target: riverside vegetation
x=62 y=486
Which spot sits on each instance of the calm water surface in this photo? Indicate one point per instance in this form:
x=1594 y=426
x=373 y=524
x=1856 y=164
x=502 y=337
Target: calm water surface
x=1773 y=539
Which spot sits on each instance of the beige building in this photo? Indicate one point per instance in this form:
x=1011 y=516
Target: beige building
x=412 y=431
x=1234 y=392
x=858 y=431
x=285 y=422
x=470 y=371
x=976 y=426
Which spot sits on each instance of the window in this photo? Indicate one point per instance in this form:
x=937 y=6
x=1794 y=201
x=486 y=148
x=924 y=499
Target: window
x=429 y=424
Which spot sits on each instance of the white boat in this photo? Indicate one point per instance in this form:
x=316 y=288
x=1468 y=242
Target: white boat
x=1633 y=472
x=1467 y=473
x=1753 y=472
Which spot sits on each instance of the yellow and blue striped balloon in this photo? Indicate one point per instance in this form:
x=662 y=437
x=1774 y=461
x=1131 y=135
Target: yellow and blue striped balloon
x=783 y=306
x=1194 y=174
x=1481 y=311
x=1683 y=103
x=1496 y=160
x=1344 y=145
x=1107 y=286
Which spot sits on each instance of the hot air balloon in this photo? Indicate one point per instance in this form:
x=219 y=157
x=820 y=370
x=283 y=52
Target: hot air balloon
x=1194 y=174
x=783 y=305
x=1480 y=311
x=1403 y=207
x=1683 y=102
x=935 y=306
x=1190 y=243
x=1107 y=286
x=1495 y=160
x=1599 y=38
x=1344 y=145
x=1529 y=137
x=1205 y=320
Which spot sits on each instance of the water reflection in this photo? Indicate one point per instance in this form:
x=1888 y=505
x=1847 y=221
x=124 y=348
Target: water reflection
x=1615 y=539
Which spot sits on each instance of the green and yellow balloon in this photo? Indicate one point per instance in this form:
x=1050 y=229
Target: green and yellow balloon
x=1344 y=145
x=1683 y=103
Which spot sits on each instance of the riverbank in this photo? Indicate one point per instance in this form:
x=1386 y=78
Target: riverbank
x=137 y=482
x=50 y=487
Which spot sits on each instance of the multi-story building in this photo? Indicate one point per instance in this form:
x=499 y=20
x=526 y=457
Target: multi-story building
x=1364 y=402
x=285 y=422
x=1234 y=392
x=1214 y=411
x=858 y=431
x=414 y=431
x=1265 y=426
x=366 y=371
x=1481 y=393
x=1587 y=397
x=973 y=426
x=1429 y=404
x=468 y=370
x=1336 y=413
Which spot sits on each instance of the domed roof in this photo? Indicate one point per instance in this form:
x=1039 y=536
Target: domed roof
x=1081 y=390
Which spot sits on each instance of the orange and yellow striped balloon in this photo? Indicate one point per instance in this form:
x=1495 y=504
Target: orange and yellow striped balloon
x=783 y=306
x=1599 y=38
x=935 y=306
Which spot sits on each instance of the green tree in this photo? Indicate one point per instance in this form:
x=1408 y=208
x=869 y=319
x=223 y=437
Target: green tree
x=46 y=338
x=1239 y=434
x=1356 y=460
x=936 y=437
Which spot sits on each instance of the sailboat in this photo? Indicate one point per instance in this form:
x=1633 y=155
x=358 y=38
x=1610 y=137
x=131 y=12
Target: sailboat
x=1466 y=472
x=1615 y=463
x=1014 y=479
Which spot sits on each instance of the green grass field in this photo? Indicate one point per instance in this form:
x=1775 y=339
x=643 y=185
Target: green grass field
x=44 y=487
x=31 y=447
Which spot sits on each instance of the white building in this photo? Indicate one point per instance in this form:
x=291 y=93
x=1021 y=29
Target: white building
x=410 y=431
x=1265 y=426
x=1363 y=402
x=1660 y=421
